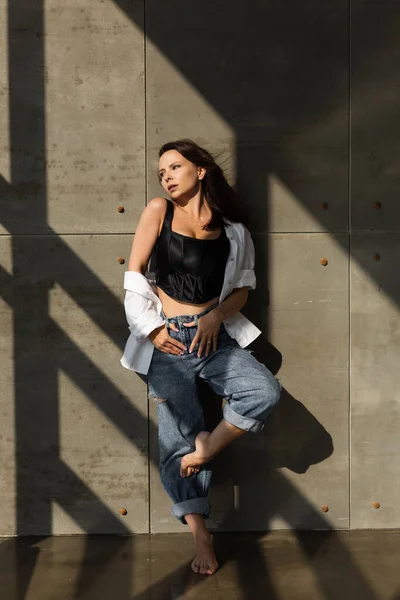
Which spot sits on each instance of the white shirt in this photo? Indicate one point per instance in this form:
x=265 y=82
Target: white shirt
x=143 y=306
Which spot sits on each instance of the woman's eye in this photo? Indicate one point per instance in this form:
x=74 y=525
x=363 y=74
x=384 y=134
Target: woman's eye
x=175 y=166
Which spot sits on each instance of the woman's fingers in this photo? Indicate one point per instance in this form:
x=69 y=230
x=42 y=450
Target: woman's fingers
x=205 y=344
x=177 y=344
x=194 y=342
x=189 y=324
x=170 y=349
x=209 y=345
x=201 y=346
x=174 y=348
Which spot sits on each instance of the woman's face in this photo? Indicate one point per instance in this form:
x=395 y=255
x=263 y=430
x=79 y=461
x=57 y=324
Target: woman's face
x=177 y=175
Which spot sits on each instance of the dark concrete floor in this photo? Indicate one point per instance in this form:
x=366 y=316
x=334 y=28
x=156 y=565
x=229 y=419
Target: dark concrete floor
x=345 y=565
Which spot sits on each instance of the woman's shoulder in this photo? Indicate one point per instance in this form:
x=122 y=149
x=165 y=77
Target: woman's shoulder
x=158 y=204
x=156 y=209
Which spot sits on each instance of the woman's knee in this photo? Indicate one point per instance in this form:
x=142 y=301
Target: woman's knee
x=276 y=391
x=269 y=391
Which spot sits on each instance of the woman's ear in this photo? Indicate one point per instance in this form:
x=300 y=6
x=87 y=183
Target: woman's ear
x=201 y=172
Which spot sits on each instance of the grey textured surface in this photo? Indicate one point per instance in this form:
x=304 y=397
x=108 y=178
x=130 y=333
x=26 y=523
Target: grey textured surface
x=375 y=381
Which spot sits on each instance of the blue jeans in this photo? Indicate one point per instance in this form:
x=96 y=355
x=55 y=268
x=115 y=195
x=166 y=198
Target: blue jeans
x=233 y=373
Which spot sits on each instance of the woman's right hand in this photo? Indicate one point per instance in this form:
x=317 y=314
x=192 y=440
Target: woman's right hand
x=164 y=342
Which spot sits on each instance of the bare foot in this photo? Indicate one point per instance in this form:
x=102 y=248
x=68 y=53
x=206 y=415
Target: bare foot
x=191 y=462
x=205 y=561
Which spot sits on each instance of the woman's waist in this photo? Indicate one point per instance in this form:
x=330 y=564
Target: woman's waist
x=172 y=307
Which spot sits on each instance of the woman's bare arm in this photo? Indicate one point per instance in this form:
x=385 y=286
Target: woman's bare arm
x=146 y=235
x=147 y=232
x=233 y=303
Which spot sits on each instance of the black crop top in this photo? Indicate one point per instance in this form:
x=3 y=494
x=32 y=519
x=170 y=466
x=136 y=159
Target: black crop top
x=189 y=269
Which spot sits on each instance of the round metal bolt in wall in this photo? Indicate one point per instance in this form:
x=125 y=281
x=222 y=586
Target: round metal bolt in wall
x=324 y=508
x=377 y=205
x=377 y=257
x=121 y=260
x=123 y=511
x=121 y=209
x=375 y=505
x=324 y=206
x=324 y=262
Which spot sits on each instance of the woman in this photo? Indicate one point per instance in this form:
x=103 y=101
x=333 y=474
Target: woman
x=189 y=326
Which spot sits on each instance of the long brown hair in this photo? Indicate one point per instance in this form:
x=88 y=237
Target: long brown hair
x=222 y=198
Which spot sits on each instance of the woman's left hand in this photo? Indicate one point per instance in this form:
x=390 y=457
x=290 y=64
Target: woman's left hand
x=207 y=332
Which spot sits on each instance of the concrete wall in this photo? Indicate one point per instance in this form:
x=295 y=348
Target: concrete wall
x=308 y=124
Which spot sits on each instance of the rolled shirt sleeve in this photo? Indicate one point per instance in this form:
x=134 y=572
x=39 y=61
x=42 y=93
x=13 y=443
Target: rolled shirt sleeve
x=247 y=276
x=141 y=316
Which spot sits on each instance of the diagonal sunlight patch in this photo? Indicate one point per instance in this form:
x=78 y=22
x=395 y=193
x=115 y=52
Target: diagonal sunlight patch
x=5 y=160
x=103 y=356
x=95 y=115
x=198 y=118
x=100 y=390
x=63 y=523
x=105 y=460
x=287 y=209
x=192 y=102
x=83 y=331
x=87 y=509
x=7 y=411
x=6 y=264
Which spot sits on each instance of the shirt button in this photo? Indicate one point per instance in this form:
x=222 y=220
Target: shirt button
x=231 y=259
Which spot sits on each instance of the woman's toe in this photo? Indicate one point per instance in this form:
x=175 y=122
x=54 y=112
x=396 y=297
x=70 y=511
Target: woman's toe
x=203 y=569
x=183 y=469
x=195 y=567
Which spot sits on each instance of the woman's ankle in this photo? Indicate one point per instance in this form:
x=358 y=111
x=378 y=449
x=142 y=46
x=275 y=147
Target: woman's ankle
x=196 y=524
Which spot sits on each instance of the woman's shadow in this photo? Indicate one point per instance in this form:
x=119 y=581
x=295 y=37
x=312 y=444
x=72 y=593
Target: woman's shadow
x=247 y=488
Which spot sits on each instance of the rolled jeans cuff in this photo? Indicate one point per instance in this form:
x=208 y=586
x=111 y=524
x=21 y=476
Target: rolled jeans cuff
x=245 y=423
x=200 y=506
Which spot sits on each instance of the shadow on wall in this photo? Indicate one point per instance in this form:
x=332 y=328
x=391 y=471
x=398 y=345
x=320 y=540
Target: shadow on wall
x=293 y=439
x=276 y=71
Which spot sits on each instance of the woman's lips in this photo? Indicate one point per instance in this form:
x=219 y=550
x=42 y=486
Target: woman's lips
x=172 y=188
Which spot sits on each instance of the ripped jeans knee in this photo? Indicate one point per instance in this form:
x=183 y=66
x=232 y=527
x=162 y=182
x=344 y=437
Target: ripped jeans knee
x=156 y=399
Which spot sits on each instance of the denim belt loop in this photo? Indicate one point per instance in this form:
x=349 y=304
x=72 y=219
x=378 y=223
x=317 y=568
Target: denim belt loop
x=196 y=320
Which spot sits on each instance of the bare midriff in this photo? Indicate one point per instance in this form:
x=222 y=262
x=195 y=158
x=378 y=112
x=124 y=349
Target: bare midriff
x=173 y=308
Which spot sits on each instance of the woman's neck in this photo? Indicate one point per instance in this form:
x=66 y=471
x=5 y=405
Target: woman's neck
x=196 y=206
